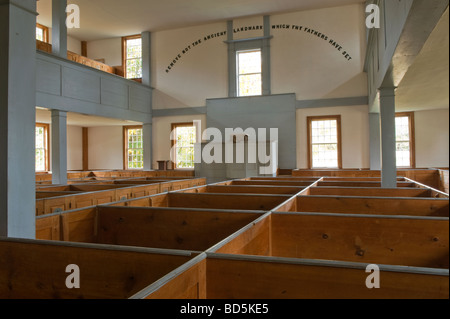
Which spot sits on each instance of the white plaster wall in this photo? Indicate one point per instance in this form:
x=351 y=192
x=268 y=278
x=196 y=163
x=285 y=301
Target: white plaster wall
x=106 y=147
x=162 y=127
x=306 y=64
x=74 y=148
x=432 y=138
x=301 y=63
x=238 y=24
x=74 y=45
x=355 y=135
x=108 y=49
x=198 y=74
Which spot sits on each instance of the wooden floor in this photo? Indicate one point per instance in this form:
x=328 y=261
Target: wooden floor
x=289 y=237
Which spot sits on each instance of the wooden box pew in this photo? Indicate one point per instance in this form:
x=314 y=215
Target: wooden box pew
x=336 y=173
x=37 y=269
x=403 y=241
x=357 y=179
x=231 y=277
x=139 y=182
x=169 y=228
x=256 y=202
x=370 y=191
x=412 y=206
x=429 y=177
x=57 y=188
x=226 y=201
x=70 y=202
x=435 y=193
x=194 y=190
x=45 y=183
x=52 y=205
x=48 y=227
x=85 y=181
x=98 y=187
x=222 y=189
x=40 y=194
x=362 y=184
x=188 y=282
x=182 y=184
x=288 y=179
x=270 y=183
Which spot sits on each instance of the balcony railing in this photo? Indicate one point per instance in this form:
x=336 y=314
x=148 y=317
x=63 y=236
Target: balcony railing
x=46 y=47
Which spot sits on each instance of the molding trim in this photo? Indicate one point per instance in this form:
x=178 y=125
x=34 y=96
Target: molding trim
x=346 y=101
x=20 y=6
x=249 y=39
x=179 y=112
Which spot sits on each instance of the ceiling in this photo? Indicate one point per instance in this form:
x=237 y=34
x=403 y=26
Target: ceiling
x=426 y=83
x=102 y=19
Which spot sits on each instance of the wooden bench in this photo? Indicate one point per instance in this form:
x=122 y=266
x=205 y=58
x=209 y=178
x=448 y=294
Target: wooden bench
x=37 y=269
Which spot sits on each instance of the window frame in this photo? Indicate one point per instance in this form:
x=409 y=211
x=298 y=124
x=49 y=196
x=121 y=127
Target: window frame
x=45 y=32
x=173 y=140
x=124 y=54
x=238 y=75
x=338 y=120
x=125 y=146
x=412 y=138
x=47 y=146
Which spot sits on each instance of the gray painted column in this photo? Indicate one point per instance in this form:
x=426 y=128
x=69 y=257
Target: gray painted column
x=388 y=143
x=147 y=136
x=266 y=59
x=59 y=28
x=375 y=142
x=147 y=80
x=146 y=58
x=59 y=147
x=17 y=118
x=232 y=86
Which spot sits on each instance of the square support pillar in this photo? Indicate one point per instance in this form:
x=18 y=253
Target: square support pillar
x=146 y=58
x=375 y=143
x=59 y=147
x=388 y=140
x=59 y=28
x=18 y=118
x=147 y=136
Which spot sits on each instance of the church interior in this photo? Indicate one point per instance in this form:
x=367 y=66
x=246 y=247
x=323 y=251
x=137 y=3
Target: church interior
x=250 y=149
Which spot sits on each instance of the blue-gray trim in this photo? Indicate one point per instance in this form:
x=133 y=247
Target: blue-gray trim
x=300 y=104
x=180 y=111
x=262 y=43
x=249 y=39
x=346 y=101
